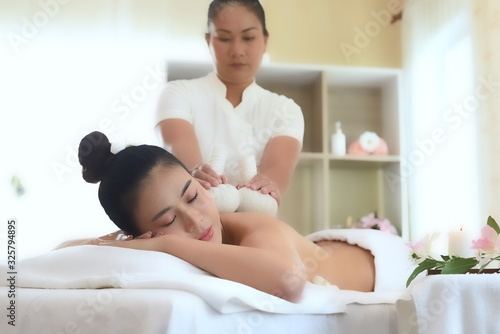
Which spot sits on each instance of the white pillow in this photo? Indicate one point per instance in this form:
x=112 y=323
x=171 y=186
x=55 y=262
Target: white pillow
x=93 y=267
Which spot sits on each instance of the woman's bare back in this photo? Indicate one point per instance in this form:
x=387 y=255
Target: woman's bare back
x=347 y=266
x=350 y=267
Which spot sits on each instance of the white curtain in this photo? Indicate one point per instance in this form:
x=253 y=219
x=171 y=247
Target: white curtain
x=487 y=18
x=450 y=100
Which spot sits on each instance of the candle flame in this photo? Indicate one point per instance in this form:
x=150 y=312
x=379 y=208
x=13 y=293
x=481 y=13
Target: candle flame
x=461 y=226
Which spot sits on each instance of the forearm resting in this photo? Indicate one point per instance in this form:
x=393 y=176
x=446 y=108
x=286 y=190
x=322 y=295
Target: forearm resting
x=100 y=241
x=261 y=269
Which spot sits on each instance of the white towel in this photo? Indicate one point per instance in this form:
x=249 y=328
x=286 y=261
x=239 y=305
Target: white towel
x=449 y=304
x=392 y=257
x=94 y=267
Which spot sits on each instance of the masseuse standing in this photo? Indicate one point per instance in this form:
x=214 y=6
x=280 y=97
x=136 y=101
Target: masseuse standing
x=227 y=107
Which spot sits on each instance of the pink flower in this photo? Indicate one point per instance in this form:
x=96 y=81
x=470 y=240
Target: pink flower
x=422 y=248
x=369 y=220
x=386 y=226
x=489 y=242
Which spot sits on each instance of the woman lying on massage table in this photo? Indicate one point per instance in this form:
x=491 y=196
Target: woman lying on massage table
x=150 y=195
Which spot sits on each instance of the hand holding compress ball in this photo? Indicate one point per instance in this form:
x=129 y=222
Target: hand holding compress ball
x=208 y=177
x=253 y=200
x=225 y=195
x=264 y=185
x=228 y=198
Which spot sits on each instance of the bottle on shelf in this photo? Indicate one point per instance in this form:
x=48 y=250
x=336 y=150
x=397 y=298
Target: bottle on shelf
x=338 y=141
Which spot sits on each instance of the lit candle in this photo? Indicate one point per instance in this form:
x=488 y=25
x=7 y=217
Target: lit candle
x=459 y=244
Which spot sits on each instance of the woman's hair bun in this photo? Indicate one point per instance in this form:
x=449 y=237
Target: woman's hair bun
x=95 y=156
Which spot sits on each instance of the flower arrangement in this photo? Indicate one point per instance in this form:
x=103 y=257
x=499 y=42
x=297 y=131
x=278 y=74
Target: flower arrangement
x=372 y=221
x=368 y=143
x=488 y=250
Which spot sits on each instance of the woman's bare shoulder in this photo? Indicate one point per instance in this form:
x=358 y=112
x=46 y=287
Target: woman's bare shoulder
x=251 y=228
x=249 y=220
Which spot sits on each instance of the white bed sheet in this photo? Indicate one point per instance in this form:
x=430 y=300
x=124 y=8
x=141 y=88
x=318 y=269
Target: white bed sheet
x=166 y=311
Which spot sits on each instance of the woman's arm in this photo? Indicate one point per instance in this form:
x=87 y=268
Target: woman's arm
x=266 y=258
x=179 y=134
x=103 y=240
x=263 y=269
x=277 y=166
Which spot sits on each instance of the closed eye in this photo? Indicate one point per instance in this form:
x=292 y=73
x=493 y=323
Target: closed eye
x=194 y=198
x=171 y=222
x=190 y=201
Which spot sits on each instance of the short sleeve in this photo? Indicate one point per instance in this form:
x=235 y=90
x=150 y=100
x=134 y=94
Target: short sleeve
x=287 y=120
x=175 y=102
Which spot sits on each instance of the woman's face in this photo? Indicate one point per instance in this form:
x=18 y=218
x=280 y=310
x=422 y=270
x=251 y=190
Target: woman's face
x=172 y=202
x=237 y=44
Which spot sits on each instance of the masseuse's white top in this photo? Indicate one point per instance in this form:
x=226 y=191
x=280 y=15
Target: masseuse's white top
x=244 y=130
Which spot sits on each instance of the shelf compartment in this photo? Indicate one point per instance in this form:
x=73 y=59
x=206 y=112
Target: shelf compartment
x=356 y=193
x=303 y=206
x=365 y=161
x=364 y=103
x=359 y=192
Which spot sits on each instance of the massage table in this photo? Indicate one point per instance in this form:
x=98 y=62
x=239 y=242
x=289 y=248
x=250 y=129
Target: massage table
x=104 y=289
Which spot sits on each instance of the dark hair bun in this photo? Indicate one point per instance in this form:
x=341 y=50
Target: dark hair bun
x=95 y=156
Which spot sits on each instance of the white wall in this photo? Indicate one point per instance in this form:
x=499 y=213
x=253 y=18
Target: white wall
x=68 y=68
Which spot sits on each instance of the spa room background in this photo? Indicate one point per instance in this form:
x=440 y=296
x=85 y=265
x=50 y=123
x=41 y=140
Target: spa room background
x=69 y=67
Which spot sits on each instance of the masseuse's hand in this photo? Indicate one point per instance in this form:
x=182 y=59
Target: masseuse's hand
x=263 y=184
x=207 y=177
